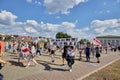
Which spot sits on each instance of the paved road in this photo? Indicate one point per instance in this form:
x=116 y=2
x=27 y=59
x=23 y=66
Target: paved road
x=46 y=70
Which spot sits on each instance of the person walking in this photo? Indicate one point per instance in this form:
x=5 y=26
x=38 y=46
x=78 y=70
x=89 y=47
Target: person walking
x=38 y=52
x=80 y=49
x=52 y=52
x=87 y=52
x=97 y=54
x=64 y=53
x=70 y=57
x=31 y=55
x=93 y=50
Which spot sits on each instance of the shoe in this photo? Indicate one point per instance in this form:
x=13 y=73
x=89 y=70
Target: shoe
x=50 y=69
x=53 y=60
x=98 y=61
x=70 y=70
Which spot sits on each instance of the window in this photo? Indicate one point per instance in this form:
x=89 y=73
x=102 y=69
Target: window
x=117 y=42
x=67 y=39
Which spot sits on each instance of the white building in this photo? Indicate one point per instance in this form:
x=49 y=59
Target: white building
x=113 y=40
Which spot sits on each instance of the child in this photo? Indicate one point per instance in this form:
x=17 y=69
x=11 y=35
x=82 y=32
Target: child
x=70 y=57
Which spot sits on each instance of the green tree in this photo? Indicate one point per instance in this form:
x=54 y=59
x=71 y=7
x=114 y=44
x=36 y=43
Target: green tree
x=7 y=38
x=62 y=35
x=15 y=35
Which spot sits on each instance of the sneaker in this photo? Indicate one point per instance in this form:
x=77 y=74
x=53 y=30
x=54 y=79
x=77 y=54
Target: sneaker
x=70 y=70
x=50 y=69
x=53 y=60
x=98 y=61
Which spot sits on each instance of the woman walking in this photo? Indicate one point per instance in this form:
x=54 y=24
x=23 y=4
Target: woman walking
x=80 y=49
x=31 y=55
x=52 y=54
x=38 y=52
x=97 y=54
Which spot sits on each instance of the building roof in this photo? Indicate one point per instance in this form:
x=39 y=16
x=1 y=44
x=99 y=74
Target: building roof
x=108 y=36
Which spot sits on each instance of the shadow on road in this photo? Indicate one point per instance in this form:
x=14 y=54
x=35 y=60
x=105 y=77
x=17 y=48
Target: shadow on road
x=48 y=67
x=16 y=63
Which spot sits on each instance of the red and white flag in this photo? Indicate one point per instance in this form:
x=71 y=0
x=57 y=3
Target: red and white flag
x=96 y=42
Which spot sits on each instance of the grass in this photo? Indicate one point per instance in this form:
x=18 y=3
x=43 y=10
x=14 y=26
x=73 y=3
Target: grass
x=111 y=72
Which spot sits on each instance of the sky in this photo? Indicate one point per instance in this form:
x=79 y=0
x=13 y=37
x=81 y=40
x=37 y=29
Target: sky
x=78 y=18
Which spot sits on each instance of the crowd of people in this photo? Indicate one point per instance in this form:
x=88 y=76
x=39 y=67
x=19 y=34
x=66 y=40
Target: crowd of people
x=29 y=50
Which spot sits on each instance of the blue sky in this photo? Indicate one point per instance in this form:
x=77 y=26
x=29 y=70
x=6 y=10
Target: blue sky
x=79 y=18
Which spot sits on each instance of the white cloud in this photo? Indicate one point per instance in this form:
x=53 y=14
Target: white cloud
x=62 y=6
x=49 y=27
x=38 y=2
x=30 y=30
x=7 y=18
x=29 y=1
x=68 y=25
x=31 y=22
x=107 y=11
x=106 y=26
x=85 y=29
x=34 y=28
x=57 y=17
x=104 y=3
x=112 y=23
x=118 y=1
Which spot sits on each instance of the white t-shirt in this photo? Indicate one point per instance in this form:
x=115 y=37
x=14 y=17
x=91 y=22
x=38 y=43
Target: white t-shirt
x=71 y=53
x=24 y=50
x=33 y=50
x=80 y=47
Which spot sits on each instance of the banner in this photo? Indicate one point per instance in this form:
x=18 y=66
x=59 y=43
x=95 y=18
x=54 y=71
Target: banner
x=96 y=42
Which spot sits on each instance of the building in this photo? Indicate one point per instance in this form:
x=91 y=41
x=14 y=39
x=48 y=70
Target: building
x=113 y=40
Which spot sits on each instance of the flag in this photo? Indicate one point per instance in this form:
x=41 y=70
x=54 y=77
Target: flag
x=96 y=42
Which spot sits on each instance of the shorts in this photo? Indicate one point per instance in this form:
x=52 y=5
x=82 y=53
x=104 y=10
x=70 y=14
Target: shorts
x=80 y=52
